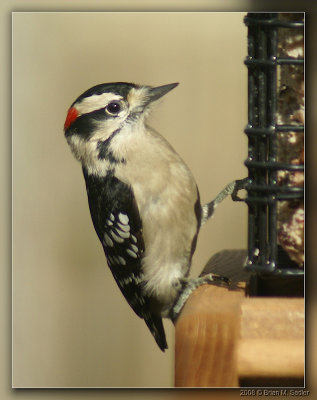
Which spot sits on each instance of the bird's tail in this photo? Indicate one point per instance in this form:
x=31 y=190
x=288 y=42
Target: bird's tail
x=156 y=327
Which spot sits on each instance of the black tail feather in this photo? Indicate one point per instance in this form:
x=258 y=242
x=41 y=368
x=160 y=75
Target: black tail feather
x=156 y=327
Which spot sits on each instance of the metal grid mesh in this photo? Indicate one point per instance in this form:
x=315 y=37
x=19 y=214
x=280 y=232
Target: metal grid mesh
x=265 y=256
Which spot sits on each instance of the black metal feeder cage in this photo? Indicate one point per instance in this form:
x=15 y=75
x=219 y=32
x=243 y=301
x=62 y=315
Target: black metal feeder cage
x=275 y=130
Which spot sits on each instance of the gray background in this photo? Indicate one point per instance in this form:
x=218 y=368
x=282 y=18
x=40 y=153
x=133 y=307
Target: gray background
x=71 y=325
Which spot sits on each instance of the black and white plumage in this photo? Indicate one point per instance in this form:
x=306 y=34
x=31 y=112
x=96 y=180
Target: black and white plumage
x=143 y=199
x=118 y=225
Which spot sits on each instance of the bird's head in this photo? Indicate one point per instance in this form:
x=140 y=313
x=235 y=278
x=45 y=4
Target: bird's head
x=108 y=107
x=105 y=112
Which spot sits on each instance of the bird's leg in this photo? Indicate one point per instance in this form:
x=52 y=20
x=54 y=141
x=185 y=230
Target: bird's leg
x=231 y=189
x=188 y=285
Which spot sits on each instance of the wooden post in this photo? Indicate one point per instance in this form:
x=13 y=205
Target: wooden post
x=206 y=339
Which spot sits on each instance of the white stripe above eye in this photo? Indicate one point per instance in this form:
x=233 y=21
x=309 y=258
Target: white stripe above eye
x=95 y=102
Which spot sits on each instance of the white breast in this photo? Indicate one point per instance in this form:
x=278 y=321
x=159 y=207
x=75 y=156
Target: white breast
x=166 y=193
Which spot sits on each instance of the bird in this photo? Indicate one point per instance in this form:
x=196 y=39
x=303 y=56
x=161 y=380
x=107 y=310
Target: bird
x=143 y=199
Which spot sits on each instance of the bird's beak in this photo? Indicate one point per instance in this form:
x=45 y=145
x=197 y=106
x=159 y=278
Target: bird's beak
x=156 y=93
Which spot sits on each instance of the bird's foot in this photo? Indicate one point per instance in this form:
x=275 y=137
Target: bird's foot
x=188 y=285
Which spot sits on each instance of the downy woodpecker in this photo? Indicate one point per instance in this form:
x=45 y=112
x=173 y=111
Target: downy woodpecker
x=143 y=199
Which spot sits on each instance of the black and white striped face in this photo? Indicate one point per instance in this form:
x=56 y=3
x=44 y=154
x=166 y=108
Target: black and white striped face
x=101 y=112
x=108 y=106
x=103 y=109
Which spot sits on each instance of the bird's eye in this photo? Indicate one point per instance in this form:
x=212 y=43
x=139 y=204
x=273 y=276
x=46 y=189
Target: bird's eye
x=113 y=108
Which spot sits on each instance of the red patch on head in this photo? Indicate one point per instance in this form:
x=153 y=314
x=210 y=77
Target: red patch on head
x=71 y=117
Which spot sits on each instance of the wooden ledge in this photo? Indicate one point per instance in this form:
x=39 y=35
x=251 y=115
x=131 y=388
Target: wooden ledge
x=223 y=337
x=271 y=339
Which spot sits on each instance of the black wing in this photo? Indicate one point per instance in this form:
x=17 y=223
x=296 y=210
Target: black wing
x=117 y=221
